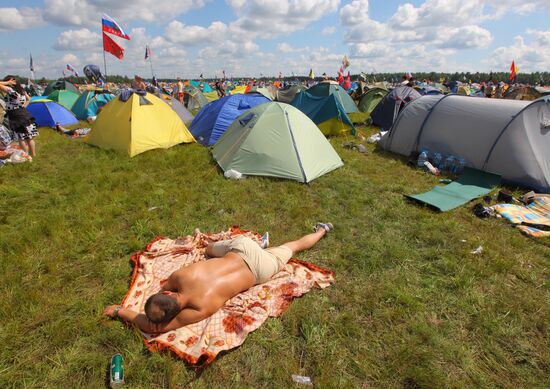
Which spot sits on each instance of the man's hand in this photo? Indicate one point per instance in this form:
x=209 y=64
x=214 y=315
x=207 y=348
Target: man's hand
x=110 y=310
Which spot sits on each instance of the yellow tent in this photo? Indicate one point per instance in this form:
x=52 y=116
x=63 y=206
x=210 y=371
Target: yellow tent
x=140 y=124
x=211 y=96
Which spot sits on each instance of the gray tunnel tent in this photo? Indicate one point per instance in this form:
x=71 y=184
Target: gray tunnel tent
x=507 y=137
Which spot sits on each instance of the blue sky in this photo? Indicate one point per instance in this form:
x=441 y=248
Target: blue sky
x=253 y=37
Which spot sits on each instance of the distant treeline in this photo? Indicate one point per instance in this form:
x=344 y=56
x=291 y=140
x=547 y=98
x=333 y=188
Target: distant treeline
x=524 y=78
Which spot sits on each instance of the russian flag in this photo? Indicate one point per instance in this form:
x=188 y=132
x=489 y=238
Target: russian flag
x=109 y=25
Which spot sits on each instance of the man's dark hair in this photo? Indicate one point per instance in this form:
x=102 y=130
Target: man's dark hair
x=17 y=87
x=161 y=308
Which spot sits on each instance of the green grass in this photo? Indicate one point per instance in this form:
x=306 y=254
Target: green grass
x=411 y=307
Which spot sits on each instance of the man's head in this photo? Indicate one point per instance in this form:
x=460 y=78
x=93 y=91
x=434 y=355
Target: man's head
x=17 y=87
x=161 y=308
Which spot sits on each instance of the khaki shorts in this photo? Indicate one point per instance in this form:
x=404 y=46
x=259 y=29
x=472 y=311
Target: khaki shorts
x=262 y=263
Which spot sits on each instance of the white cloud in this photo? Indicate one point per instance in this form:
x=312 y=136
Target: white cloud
x=285 y=48
x=269 y=18
x=19 y=18
x=465 y=37
x=178 y=32
x=496 y=9
x=328 y=30
x=82 y=39
x=435 y=28
x=529 y=57
x=89 y=12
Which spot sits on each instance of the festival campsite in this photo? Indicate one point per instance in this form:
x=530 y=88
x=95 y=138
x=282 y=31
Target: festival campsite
x=223 y=194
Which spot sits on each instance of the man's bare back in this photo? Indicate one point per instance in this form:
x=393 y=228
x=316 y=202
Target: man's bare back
x=211 y=283
x=197 y=291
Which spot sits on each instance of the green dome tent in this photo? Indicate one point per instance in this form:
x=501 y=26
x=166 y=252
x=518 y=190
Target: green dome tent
x=65 y=98
x=60 y=85
x=287 y=94
x=194 y=99
x=276 y=140
x=327 y=88
x=370 y=99
x=263 y=91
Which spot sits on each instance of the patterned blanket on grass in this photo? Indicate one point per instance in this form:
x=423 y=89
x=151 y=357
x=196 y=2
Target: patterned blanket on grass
x=200 y=343
x=533 y=219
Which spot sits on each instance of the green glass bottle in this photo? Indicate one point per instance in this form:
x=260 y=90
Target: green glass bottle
x=117 y=371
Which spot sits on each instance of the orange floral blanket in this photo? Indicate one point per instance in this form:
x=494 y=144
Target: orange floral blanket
x=200 y=343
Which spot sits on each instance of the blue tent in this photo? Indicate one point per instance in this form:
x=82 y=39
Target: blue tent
x=89 y=102
x=205 y=87
x=430 y=90
x=48 y=113
x=327 y=112
x=215 y=117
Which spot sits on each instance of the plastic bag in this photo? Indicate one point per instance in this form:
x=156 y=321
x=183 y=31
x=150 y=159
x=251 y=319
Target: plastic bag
x=19 y=157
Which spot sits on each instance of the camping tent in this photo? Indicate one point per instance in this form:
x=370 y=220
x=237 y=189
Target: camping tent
x=287 y=94
x=194 y=98
x=60 y=85
x=214 y=119
x=48 y=113
x=137 y=125
x=507 y=137
x=327 y=88
x=263 y=91
x=464 y=90
x=205 y=87
x=371 y=98
x=522 y=93
x=327 y=112
x=387 y=110
x=178 y=108
x=89 y=103
x=211 y=96
x=64 y=97
x=276 y=140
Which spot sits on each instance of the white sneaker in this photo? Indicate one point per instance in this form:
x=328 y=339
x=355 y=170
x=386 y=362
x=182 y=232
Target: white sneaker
x=264 y=240
x=327 y=226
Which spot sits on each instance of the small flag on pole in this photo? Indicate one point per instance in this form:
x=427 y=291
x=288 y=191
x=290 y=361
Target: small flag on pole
x=345 y=61
x=31 y=64
x=147 y=52
x=72 y=70
x=109 y=25
x=513 y=70
x=341 y=76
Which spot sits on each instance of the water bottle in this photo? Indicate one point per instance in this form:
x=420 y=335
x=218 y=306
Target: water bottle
x=461 y=164
x=438 y=159
x=233 y=174
x=300 y=379
x=117 y=371
x=423 y=157
x=450 y=164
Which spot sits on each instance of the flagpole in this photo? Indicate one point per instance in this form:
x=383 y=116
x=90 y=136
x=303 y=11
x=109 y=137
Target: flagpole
x=151 y=63
x=104 y=58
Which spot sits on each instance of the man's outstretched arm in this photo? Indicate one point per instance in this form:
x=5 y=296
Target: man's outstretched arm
x=185 y=317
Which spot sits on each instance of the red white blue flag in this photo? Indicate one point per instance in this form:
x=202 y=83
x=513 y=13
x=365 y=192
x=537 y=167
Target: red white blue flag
x=109 y=25
x=72 y=70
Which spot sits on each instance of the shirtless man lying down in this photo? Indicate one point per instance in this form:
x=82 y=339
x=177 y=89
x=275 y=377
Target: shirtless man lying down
x=197 y=291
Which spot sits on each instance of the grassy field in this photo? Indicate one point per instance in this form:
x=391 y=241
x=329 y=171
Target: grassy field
x=411 y=307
